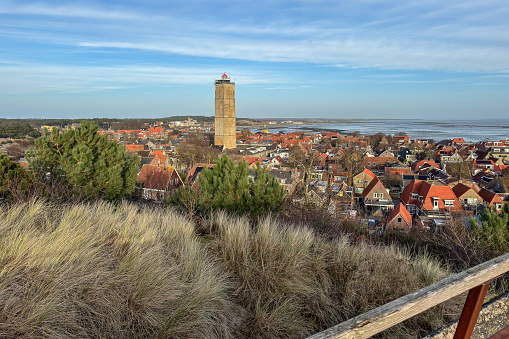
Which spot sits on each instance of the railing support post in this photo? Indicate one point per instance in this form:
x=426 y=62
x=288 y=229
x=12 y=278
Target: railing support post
x=471 y=310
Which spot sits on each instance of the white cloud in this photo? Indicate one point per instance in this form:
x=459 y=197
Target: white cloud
x=24 y=79
x=424 y=35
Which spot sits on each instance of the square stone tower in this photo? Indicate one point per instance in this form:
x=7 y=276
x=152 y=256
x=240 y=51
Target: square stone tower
x=225 y=123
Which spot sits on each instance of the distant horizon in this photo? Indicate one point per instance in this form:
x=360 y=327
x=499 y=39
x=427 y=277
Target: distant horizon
x=256 y=118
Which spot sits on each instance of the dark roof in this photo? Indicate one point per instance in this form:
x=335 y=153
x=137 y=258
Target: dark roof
x=287 y=175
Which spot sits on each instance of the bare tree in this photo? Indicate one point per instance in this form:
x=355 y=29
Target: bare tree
x=351 y=161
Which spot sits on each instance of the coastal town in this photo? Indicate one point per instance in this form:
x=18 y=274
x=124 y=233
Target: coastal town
x=386 y=182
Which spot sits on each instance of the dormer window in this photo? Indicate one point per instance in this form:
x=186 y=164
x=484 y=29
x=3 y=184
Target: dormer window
x=448 y=203
x=435 y=202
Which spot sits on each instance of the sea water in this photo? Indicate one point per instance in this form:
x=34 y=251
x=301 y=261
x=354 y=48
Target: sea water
x=470 y=130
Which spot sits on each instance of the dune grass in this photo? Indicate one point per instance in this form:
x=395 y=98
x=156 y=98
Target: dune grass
x=293 y=283
x=96 y=271
x=103 y=271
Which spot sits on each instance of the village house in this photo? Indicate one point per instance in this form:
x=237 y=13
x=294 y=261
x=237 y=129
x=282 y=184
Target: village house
x=468 y=198
x=284 y=177
x=500 y=152
x=362 y=180
x=194 y=174
x=376 y=196
x=156 y=182
x=379 y=162
x=399 y=220
x=491 y=200
x=423 y=164
x=423 y=198
x=406 y=156
x=499 y=186
x=341 y=198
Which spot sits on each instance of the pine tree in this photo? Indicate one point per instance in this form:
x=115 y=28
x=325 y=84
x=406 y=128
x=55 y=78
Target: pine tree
x=494 y=229
x=87 y=160
x=228 y=186
x=14 y=179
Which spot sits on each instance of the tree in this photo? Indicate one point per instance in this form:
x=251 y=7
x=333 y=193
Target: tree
x=228 y=186
x=461 y=170
x=351 y=161
x=17 y=130
x=194 y=150
x=494 y=230
x=14 y=179
x=306 y=161
x=86 y=160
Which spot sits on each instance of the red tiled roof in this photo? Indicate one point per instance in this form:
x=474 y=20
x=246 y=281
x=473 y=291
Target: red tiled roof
x=155 y=177
x=251 y=160
x=368 y=172
x=428 y=191
x=135 y=148
x=400 y=210
x=419 y=164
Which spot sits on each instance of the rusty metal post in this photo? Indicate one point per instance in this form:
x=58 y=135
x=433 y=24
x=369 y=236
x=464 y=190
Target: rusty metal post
x=471 y=310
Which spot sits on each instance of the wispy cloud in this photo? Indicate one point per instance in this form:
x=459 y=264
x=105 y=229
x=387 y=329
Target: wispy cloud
x=423 y=36
x=25 y=79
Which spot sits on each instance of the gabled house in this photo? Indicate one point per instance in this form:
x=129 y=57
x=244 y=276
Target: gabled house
x=379 y=163
x=500 y=152
x=467 y=197
x=491 y=199
x=362 y=180
x=156 y=182
x=423 y=164
x=386 y=154
x=405 y=155
x=484 y=177
x=421 y=197
x=194 y=174
x=499 y=186
x=399 y=220
x=341 y=197
x=459 y=141
x=284 y=177
x=376 y=195
x=401 y=139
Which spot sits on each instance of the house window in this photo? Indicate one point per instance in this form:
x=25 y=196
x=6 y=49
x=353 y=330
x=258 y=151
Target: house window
x=378 y=195
x=414 y=195
x=359 y=181
x=498 y=207
x=448 y=203
x=399 y=219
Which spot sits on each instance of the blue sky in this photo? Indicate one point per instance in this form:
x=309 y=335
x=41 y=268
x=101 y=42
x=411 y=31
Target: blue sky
x=302 y=59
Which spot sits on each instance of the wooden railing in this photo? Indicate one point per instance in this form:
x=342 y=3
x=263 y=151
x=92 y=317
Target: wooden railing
x=476 y=280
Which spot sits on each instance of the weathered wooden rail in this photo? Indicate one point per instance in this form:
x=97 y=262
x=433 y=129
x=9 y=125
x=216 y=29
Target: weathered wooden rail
x=476 y=280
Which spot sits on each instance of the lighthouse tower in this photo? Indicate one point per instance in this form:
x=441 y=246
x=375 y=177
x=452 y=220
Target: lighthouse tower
x=225 y=123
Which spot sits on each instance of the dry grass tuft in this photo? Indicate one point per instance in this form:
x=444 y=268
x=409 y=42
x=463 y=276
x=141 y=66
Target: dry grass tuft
x=293 y=283
x=103 y=271
x=96 y=271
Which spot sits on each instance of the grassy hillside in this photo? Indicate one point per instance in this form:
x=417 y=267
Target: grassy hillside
x=100 y=271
